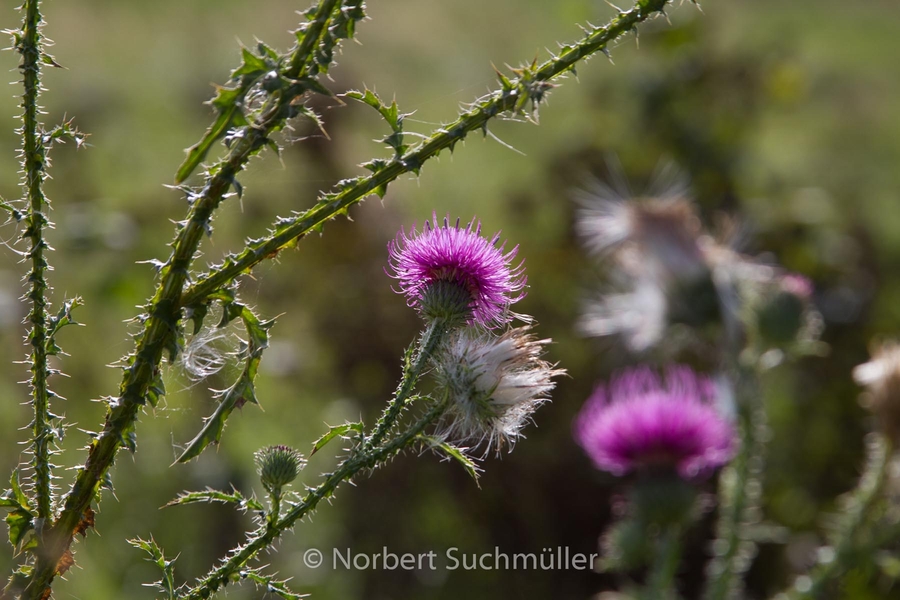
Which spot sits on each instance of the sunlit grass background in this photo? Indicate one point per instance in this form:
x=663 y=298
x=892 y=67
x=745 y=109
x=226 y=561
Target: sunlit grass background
x=786 y=114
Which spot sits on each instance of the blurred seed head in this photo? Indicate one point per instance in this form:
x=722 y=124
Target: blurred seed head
x=656 y=248
x=881 y=378
x=637 y=315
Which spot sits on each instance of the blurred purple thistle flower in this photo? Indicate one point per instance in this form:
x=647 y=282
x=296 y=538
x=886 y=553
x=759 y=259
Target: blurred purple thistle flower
x=446 y=254
x=641 y=420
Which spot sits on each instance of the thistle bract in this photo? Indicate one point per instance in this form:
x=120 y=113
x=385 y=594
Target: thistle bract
x=642 y=421
x=449 y=272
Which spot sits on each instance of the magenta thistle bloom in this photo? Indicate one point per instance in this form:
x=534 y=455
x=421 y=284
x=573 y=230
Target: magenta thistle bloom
x=474 y=267
x=641 y=420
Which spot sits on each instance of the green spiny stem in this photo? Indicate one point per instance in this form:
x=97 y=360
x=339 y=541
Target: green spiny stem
x=274 y=508
x=303 y=57
x=493 y=105
x=428 y=343
x=33 y=159
x=266 y=535
x=739 y=493
x=855 y=520
x=661 y=581
x=279 y=104
x=159 y=329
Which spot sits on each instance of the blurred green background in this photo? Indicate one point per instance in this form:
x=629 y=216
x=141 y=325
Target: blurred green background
x=786 y=114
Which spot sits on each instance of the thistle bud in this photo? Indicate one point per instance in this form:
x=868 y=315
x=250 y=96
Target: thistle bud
x=782 y=315
x=278 y=466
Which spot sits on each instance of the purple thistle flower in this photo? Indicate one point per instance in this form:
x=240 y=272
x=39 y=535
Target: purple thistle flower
x=462 y=258
x=641 y=420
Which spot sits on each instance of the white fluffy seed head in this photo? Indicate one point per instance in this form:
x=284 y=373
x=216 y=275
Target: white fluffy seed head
x=493 y=383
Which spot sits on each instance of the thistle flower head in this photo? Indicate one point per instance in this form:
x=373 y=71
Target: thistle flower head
x=494 y=384
x=447 y=271
x=644 y=421
x=278 y=466
x=881 y=378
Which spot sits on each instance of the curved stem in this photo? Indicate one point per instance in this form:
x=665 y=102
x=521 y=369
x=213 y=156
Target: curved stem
x=353 y=191
x=347 y=469
x=739 y=493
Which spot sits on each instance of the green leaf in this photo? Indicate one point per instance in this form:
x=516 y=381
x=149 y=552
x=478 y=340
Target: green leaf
x=197 y=314
x=16 y=214
x=391 y=113
x=156 y=390
x=165 y=585
x=228 y=104
x=336 y=431
x=62 y=319
x=243 y=390
x=211 y=495
x=271 y=585
x=16 y=490
x=234 y=397
x=20 y=519
x=451 y=451
x=20 y=522
x=252 y=65
x=311 y=115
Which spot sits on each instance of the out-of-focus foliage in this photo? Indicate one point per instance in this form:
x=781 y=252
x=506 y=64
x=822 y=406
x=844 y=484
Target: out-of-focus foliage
x=783 y=114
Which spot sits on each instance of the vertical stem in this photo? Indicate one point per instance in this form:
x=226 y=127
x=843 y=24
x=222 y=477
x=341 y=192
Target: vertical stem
x=160 y=326
x=33 y=160
x=739 y=492
x=661 y=581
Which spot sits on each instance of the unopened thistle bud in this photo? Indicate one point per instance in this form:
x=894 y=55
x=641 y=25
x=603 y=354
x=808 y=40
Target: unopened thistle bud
x=494 y=384
x=881 y=378
x=456 y=274
x=278 y=466
x=781 y=316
